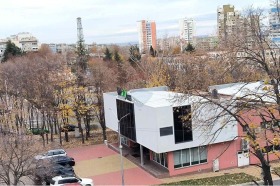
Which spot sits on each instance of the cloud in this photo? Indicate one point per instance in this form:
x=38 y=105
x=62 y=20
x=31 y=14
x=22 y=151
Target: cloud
x=106 y=20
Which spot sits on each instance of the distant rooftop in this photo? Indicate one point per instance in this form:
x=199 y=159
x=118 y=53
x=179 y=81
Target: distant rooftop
x=252 y=90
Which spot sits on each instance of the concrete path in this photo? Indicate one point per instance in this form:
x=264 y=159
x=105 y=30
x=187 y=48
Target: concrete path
x=103 y=165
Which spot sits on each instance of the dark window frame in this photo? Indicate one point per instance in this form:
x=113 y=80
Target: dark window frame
x=127 y=124
x=182 y=124
x=166 y=131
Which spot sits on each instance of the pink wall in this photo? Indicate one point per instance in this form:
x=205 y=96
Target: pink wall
x=253 y=118
x=228 y=159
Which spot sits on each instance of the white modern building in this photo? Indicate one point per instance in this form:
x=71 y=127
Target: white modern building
x=173 y=130
x=187 y=30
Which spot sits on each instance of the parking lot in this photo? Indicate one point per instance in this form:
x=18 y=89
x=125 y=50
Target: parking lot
x=103 y=165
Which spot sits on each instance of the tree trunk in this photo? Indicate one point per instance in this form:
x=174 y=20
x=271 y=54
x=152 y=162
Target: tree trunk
x=267 y=178
x=87 y=126
x=80 y=128
x=66 y=136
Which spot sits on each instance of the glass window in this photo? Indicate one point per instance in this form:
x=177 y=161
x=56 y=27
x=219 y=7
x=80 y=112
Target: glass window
x=186 y=157
x=182 y=124
x=194 y=156
x=203 y=154
x=177 y=159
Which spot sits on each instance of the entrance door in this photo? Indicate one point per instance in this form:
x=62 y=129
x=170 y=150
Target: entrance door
x=243 y=158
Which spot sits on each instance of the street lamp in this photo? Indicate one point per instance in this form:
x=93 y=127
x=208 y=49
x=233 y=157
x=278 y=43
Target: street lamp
x=120 y=146
x=120 y=142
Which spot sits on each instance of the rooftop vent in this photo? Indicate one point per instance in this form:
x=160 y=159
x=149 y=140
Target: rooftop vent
x=214 y=94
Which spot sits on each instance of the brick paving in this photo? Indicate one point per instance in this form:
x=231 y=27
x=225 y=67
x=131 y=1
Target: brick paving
x=102 y=164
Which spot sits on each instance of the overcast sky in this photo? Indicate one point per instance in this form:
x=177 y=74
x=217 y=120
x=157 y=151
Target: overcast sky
x=108 y=21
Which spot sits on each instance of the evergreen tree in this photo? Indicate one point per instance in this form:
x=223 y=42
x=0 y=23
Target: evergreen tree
x=10 y=51
x=134 y=54
x=108 y=55
x=117 y=56
x=153 y=52
x=189 y=48
x=82 y=56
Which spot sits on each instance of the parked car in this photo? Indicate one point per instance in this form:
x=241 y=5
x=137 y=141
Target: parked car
x=62 y=180
x=63 y=160
x=38 y=131
x=52 y=153
x=44 y=172
x=68 y=128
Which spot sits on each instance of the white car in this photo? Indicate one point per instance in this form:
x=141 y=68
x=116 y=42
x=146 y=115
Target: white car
x=64 y=180
x=51 y=153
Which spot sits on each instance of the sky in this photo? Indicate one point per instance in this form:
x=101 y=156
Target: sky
x=109 y=21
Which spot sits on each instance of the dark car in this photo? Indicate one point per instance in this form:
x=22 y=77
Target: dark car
x=63 y=160
x=38 y=131
x=68 y=128
x=45 y=172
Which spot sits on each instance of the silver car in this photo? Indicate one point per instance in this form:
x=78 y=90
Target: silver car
x=51 y=153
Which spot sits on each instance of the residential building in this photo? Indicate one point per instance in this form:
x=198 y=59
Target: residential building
x=274 y=24
x=228 y=20
x=2 y=47
x=187 y=30
x=167 y=43
x=207 y=43
x=25 y=41
x=147 y=35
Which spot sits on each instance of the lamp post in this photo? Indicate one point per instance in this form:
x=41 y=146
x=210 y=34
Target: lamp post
x=120 y=146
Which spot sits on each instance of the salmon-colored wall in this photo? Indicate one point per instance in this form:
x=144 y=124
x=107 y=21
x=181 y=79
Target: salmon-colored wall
x=228 y=159
x=154 y=35
x=253 y=118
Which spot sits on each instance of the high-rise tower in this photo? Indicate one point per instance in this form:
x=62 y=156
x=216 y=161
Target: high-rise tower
x=187 y=29
x=228 y=21
x=147 y=35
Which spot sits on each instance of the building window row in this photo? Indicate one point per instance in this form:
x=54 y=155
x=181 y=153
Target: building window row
x=191 y=156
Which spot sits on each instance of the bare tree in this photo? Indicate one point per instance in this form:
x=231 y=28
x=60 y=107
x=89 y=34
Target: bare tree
x=17 y=158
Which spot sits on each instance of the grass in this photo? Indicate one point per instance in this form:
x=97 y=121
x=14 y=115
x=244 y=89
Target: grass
x=227 y=179
x=276 y=169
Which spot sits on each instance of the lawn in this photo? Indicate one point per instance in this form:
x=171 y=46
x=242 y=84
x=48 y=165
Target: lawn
x=227 y=179
x=276 y=169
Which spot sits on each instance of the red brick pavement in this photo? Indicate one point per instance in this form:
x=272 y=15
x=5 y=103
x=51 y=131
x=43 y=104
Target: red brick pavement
x=132 y=176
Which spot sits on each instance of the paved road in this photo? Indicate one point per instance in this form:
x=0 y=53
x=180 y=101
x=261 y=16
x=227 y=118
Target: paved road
x=103 y=165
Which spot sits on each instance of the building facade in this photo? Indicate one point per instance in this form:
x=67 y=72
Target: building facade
x=25 y=41
x=187 y=30
x=147 y=35
x=181 y=136
x=154 y=123
x=274 y=27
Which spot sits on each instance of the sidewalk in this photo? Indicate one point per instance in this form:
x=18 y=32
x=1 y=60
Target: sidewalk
x=251 y=170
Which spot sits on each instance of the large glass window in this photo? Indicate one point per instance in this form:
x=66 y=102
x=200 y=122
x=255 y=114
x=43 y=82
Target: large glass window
x=160 y=158
x=191 y=156
x=127 y=124
x=182 y=124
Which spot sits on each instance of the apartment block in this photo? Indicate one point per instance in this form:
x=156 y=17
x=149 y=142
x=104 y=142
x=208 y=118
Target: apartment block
x=147 y=35
x=187 y=29
x=228 y=20
x=274 y=25
x=25 y=41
